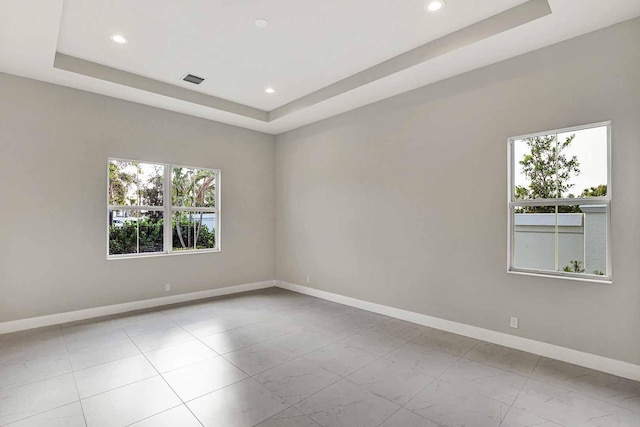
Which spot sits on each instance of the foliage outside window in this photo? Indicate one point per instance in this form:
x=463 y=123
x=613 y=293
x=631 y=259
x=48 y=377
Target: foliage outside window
x=161 y=209
x=559 y=203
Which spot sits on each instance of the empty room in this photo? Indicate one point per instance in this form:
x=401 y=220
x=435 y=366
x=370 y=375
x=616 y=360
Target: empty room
x=283 y=213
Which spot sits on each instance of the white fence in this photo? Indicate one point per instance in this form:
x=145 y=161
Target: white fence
x=581 y=237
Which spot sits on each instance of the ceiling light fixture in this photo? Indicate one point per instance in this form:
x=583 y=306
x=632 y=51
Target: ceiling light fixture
x=118 y=38
x=434 y=6
x=262 y=23
x=270 y=90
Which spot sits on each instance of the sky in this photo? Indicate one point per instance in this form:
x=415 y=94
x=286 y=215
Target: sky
x=590 y=147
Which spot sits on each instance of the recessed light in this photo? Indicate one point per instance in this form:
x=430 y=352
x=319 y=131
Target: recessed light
x=270 y=90
x=434 y=6
x=118 y=38
x=262 y=23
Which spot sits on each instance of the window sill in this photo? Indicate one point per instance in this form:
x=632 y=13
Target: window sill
x=161 y=254
x=606 y=280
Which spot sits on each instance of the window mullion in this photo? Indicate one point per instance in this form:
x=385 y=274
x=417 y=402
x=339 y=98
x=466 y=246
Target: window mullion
x=168 y=218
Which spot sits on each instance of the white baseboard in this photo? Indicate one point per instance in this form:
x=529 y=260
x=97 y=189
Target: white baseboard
x=71 y=316
x=588 y=360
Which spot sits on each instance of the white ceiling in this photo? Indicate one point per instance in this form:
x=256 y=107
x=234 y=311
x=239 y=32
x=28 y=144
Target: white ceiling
x=306 y=47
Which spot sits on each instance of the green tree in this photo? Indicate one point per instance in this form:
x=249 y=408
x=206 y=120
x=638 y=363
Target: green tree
x=120 y=183
x=548 y=170
x=599 y=191
x=151 y=191
x=191 y=188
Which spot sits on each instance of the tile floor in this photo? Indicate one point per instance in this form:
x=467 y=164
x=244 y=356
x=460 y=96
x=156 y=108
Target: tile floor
x=275 y=358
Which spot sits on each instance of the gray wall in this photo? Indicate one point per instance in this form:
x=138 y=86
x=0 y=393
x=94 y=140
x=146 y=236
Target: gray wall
x=373 y=204
x=54 y=144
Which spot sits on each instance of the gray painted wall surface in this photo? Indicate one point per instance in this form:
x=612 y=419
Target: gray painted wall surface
x=54 y=144
x=373 y=204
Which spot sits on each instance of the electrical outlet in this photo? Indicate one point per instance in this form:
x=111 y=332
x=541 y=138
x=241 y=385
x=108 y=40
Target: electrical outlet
x=513 y=322
x=308 y=279
x=167 y=287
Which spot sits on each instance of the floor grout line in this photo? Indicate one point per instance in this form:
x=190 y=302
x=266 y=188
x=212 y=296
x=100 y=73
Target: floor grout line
x=166 y=382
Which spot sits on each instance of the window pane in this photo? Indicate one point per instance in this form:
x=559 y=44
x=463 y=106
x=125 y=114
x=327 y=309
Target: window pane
x=569 y=239
x=535 y=237
x=150 y=231
x=193 y=187
x=132 y=232
x=566 y=165
x=589 y=148
x=123 y=232
x=595 y=240
x=193 y=230
x=135 y=183
x=150 y=184
x=571 y=248
x=535 y=168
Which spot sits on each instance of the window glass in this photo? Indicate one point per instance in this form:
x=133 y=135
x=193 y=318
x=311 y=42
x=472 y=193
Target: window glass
x=560 y=202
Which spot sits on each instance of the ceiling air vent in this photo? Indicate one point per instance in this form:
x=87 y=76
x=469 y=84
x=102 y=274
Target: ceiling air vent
x=193 y=79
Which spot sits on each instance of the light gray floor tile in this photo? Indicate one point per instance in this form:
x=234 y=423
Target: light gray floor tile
x=203 y=377
x=566 y=407
x=124 y=319
x=108 y=376
x=393 y=381
x=374 y=341
x=426 y=360
x=33 y=370
x=258 y=357
x=612 y=389
x=335 y=330
x=23 y=346
x=177 y=356
x=504 y=358
x=161 y=339
x=275 y=328
x=297 y=347
x=520 y=418
x=102 y=353
x=341 y=358
x=488 y=381
x=213 y=326
x=445 y=341
x=84 y=339
x=149 y=325
x=27 y=400
x=225 y=342
x=65 y=416
x=345 y=404
x=296 y=380
x=243 y=404
x=128 y=404
x=303 y=342
x=306 y=317
x=291 y=417
x=405 y=418
x=186 y=315
x=179 y=416
x=89 y=326
x=247 y=316
x=401 y=329
x=453 y=405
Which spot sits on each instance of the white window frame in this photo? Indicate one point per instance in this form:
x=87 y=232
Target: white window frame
x=512 y=204
x=167 y=209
